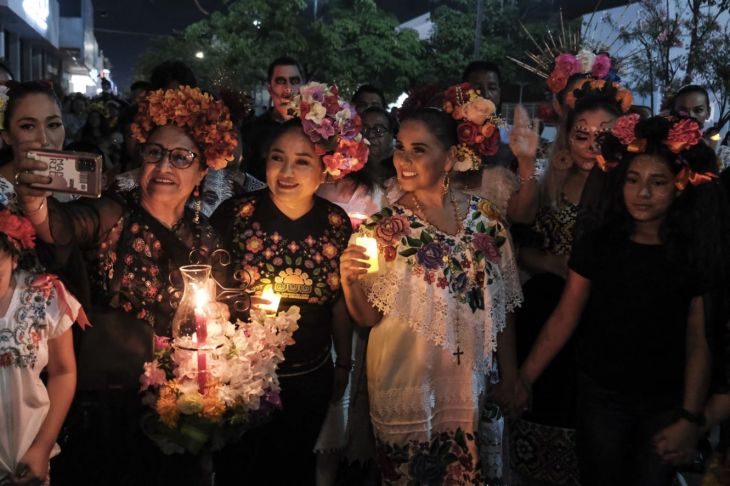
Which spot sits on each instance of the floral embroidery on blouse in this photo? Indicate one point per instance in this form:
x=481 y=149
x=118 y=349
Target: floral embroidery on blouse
x=145 y=290
x=459 y=263
x=20 y=343
x=305 y=269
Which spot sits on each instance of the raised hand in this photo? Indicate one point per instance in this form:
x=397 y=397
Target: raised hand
x=523 y=139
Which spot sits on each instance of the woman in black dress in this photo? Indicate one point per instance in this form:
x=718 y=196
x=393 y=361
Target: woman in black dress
x=290 y=239
x=132 y=241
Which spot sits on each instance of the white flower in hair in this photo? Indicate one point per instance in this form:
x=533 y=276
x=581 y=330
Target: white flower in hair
x=586 y=59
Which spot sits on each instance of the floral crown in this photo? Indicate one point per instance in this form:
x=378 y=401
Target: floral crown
x=593 y=66
x=207 y=121
x=570 y=52
x=599 y=87
x=683 y=134
x=334 y=126
x=477 y=125
x=17 y=230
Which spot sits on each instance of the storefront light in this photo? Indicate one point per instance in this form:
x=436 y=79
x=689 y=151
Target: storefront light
x=38 y=12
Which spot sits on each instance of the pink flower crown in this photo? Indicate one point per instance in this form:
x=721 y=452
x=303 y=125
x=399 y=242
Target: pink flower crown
x=18 y=230
x=597 y=66
x=477 y=128
x=334 y=126
x=684 y=134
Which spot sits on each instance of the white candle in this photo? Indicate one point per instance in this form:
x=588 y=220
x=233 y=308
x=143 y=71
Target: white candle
x=371 y=250
x=268 y=294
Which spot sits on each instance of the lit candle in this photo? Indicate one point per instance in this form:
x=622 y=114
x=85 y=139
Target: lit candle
x=201 y=336
x=371 y=250
x=273 y=298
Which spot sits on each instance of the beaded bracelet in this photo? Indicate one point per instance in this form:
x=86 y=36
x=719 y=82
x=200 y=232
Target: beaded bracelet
x=532 y=177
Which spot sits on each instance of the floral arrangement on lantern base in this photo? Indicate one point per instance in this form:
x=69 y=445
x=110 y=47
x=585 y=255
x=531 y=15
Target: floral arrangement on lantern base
x=240 y=391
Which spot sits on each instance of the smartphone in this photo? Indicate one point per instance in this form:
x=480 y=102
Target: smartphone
x=70 y=172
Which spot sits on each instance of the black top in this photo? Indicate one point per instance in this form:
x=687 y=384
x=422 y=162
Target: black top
x=298 y=258
x=632 y=334
x=255 y=137
x=129 y=255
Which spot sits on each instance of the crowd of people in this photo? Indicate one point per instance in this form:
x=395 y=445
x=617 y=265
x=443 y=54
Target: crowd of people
x=541 y=312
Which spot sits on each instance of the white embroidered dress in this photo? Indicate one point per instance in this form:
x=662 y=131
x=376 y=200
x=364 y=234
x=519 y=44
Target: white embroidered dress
x=444 y=299
x=33 y=317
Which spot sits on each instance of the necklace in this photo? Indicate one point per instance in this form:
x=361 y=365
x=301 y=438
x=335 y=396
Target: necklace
x=422 y=213
x=418 y=207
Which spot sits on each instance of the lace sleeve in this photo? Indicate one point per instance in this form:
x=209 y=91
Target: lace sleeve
x=83 y=222
x=510 y=275
x=498 y=185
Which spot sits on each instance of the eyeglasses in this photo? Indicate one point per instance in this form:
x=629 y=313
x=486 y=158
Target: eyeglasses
x=374 y=132
x=180 y=158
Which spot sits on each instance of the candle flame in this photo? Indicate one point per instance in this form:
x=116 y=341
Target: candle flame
x=201 y=298
x=269 y=294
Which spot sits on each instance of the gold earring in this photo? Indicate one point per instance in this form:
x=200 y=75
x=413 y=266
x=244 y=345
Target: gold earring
x=447 y=182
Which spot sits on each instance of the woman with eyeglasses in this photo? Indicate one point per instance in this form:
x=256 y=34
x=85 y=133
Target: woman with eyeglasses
x=133 y=240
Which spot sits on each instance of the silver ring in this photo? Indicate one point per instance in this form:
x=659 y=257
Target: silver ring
x=15 y=179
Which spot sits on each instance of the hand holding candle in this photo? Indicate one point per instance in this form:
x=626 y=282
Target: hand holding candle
x=371 y=250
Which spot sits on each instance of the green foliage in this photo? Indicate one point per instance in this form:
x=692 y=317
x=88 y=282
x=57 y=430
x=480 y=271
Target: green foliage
x=363 y=45
x=351 y=42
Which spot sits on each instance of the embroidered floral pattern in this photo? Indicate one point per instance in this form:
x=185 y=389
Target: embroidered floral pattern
x=459 y=263
x=144 y=286
x=306 y=269
x=449 y=458
x=20 y=343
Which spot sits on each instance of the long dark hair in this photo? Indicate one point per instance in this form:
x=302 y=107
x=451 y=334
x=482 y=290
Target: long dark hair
x=695 y=232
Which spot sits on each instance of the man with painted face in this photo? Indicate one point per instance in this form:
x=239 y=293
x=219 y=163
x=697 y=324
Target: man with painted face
x=285 y=76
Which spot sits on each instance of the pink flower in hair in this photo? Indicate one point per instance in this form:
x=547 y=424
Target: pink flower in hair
x=567 y=64
x=601 y=66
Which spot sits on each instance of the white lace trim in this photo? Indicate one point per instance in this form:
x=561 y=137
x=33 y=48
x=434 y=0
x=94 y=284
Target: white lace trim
x=433 y=313
x=441 y=405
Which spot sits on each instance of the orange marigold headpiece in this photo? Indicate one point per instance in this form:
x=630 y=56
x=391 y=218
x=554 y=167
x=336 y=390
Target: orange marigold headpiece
x=600 y=87
x=205 y=120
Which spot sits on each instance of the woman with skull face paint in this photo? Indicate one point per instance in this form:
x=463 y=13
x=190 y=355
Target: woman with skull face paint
x=550 y=422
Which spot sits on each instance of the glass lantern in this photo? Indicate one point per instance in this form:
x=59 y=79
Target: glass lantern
x=196 y=313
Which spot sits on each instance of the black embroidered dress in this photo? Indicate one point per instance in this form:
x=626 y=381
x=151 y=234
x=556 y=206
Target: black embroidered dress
x=300 y=260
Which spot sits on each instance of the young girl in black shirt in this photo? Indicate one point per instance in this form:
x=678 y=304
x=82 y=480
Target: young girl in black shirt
x=640 y=265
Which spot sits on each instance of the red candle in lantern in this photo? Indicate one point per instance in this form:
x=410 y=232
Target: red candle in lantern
x=201 y=331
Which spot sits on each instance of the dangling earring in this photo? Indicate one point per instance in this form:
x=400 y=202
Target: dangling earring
x=447 y=182
x=197 y=203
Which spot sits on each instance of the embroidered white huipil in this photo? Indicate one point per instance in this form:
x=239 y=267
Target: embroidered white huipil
x=33 y=317
x=440 y=294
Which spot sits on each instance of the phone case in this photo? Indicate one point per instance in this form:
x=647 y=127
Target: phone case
x=70 y=172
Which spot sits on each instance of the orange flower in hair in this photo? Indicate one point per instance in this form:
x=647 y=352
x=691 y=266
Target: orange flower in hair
x=206 y=120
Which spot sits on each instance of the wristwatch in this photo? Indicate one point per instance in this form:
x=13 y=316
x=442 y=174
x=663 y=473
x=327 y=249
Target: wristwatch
x=697 y=419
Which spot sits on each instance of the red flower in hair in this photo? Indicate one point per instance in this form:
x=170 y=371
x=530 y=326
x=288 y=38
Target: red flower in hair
x=490 y=145
x=18 y=229
x=625 y=128
x=683 y=135
x=467 y=132
x=557 y=81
